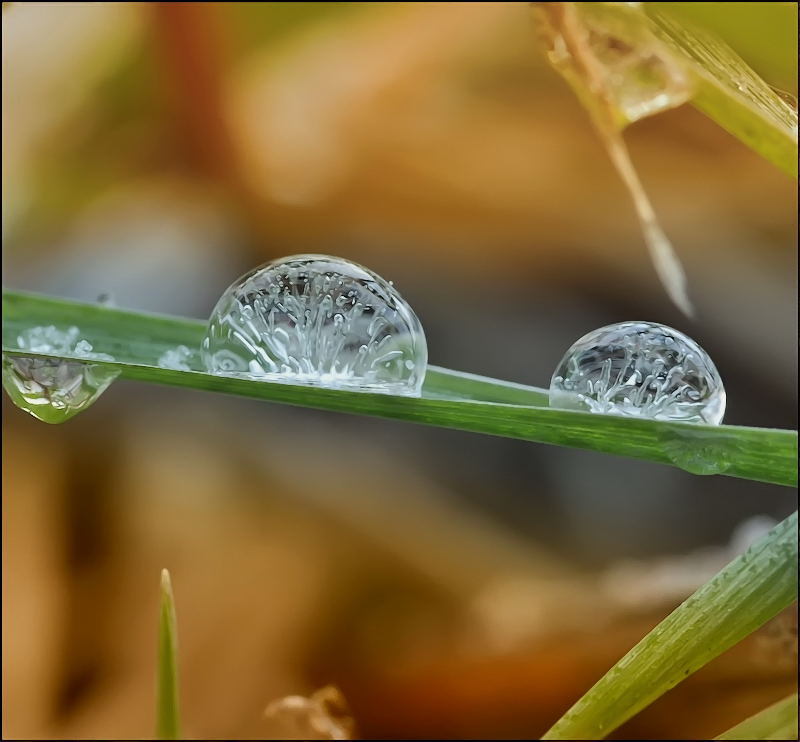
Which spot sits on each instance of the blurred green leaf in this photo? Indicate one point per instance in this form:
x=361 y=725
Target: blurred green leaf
x=763 y=34
x=261 y=25
x=743 y=596
x=732 y=94
x=167 y=712
x=450 y=399
x=778 y=721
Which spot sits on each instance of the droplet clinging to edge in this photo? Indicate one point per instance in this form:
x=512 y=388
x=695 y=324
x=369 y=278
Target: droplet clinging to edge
x=53 y=389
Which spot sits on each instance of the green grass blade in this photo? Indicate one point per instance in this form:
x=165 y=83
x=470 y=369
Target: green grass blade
x=744 y=595
x=450 y=399
x=731 y=93
x=167 y=711
x=778 y=721
x=764 y=34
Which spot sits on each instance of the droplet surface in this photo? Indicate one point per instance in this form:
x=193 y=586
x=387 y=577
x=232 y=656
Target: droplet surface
x=54 y=390
x=639 y=369
x=317 y=320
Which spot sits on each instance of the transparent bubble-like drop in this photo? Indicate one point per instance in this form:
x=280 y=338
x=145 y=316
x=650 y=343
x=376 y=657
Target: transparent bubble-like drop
x=639 y=369
x=317 y=320
x=54 y=390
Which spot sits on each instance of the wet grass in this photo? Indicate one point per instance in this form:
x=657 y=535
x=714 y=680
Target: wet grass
x=450 y=399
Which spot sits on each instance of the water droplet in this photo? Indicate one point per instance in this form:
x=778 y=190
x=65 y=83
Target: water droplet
x=639 y=369
x=54 y=390
x=106 y=299
x=317 y=320
x=697 y=451
x=177 y=359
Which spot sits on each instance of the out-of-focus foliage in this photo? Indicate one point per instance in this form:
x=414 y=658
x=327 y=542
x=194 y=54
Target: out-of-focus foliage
x=747 y=593
x=778 y=721
x=168 y=725
x=762 y=33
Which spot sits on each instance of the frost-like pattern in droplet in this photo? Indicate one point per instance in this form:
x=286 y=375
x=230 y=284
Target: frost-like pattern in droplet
x=639 y=369
x=318 y=320
x=54 y=390
x=177 y=359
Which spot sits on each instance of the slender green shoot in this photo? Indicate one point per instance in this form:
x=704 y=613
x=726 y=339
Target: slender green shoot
x=167 y=712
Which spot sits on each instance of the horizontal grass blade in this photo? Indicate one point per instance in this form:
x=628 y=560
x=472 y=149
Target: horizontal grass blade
x=778 y=721
x=450 y=399
x=167 y=713
x=752 y=589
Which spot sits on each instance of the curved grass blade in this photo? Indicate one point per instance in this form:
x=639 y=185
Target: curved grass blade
x=764 y=34
x=778 y=721
x=167 y=710
x=450 y=399
x=744 y=595
x=730 y=92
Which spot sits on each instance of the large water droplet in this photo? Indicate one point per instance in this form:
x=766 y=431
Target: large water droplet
x=317 y=320
x=54 y=390
x=639 y=369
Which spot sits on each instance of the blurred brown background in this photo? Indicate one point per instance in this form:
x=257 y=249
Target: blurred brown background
x=451 y=585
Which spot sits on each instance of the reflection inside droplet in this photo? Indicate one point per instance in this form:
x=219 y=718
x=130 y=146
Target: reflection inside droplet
x=639 y=369
x=317 y=320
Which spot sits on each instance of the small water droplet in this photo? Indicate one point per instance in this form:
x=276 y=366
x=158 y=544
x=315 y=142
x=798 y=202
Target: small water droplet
x=317 y=320
x=177 y=359
x=51 y=389
x=639 y=369
x=106 y=299
x=698 y=451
